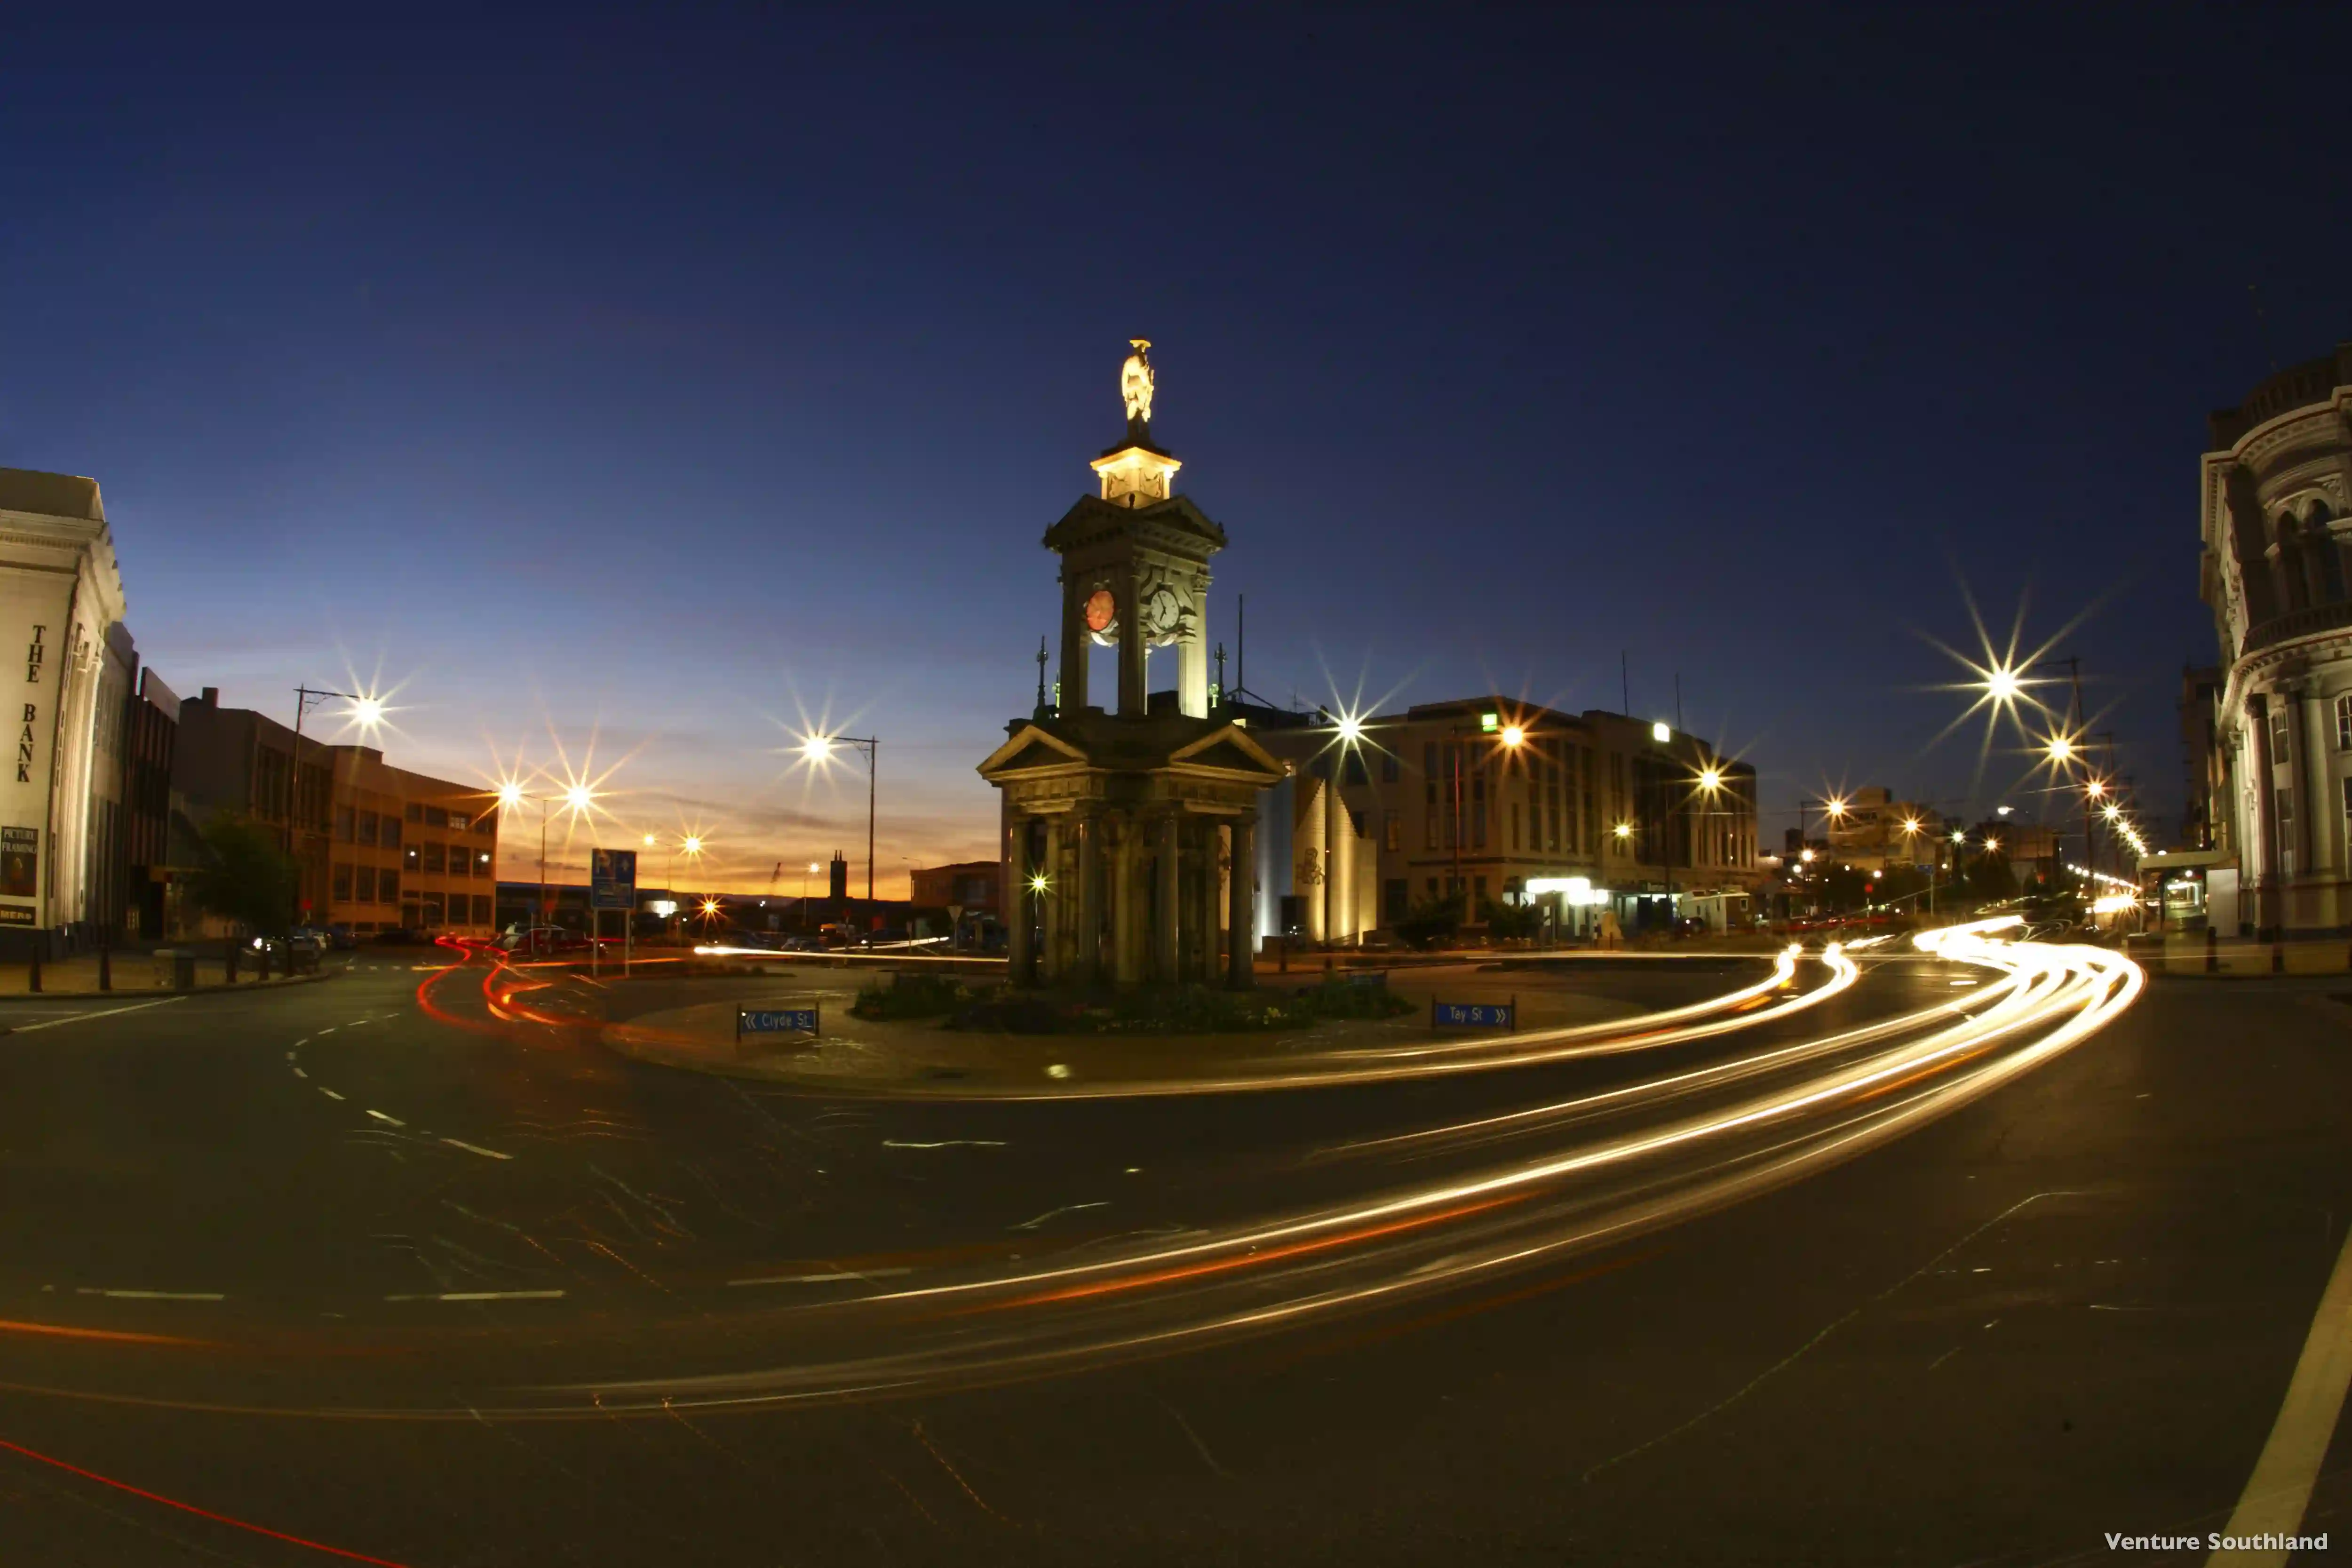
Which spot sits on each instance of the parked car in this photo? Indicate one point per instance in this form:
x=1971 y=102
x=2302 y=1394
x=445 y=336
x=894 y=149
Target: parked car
x=340 y=937
x=403 y=936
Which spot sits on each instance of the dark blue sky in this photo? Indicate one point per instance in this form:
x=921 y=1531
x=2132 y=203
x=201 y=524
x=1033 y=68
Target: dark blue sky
x=667 y=380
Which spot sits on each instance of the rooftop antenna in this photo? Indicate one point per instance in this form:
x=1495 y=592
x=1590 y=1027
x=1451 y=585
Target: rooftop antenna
x=1041 y=674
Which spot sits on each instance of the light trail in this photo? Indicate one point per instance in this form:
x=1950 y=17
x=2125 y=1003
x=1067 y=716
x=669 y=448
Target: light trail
x=1839 y=1096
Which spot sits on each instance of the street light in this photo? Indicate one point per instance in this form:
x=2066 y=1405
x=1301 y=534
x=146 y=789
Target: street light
x=366 y=711
x=817 y=750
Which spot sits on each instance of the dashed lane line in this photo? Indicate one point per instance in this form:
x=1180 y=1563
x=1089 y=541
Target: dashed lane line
x=380 y=1116
x=330 y=1093
x=475 y=1149
x=150 y=1295
x=482 y=1295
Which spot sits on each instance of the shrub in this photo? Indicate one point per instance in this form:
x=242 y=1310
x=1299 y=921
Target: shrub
x=916 y=995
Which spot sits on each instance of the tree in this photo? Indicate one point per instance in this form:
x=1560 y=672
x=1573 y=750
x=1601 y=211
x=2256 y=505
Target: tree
x=1433 y=921
x=246 y=876
x=1989 y=877
x=1507 y=921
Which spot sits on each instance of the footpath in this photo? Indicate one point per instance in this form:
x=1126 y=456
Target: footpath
x=141 y=974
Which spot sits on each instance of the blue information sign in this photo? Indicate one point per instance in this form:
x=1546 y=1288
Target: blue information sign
x=775 y=1021
x=1474 y=1015
x=612 y=878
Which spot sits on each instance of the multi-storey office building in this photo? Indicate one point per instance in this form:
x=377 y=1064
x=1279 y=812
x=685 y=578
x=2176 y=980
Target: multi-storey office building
x=2277 y=504
x=378 y=847
x=1488 y=800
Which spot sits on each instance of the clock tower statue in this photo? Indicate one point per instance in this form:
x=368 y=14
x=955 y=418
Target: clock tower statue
x=1120 y=824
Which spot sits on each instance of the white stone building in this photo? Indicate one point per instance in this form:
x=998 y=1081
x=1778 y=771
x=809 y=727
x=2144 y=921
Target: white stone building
x=2277 y=507
x=60 y=602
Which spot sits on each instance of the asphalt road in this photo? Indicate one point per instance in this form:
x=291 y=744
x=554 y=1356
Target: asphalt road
x=390 y=1276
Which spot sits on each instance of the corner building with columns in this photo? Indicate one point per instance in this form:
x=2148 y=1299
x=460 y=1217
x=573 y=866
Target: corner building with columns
x=1122 y=826
x=2277 y=520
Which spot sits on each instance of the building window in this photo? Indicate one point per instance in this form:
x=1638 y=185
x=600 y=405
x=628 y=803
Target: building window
x=1429 y=826
x=2280 y=746
x=1393 y=895
x=343 y=824
x=387 y=886
x=2344 y=722
x=432 y=910
x=1354 y=772
x=2285 y=798
x=482 y=916
x=412 y=861
x=367 y=826
x=391 y=832
x=427 y=858
x=414 y=811
x=1432 y=886
x=1478 y=891
x=342 y=884
x=1393 y=833
x=1515 y=824
x=1388 y=768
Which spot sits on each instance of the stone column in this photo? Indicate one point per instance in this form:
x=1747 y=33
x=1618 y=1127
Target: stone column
x=1017 y=953
x=1132 y=696
x=2259 y=853
x=1055 y=900
x=1127 y=928
x=1170 y=902
x=1242 y=911
x=1089 y=827
x=1338 y=868
x=1076 y=647
x=1192 y=662
x=2326 y=804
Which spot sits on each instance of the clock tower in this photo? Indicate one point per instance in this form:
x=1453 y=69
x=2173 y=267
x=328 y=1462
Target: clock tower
x=1135 y=564
x=1127 y=834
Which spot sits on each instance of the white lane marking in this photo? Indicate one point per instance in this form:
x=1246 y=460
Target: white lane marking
x=289 y=1055
x=945 y=1144
x=2280 y=1489
x=475 y=1149
x=391 y=1121
x=482 y=1295
x=300 y=1073
x=823 y=1279
x=152 y=1295
x=356 y=1023
x=1066 y=1209
x=103 y=1013
x=330 y=1094
x=327 y=1030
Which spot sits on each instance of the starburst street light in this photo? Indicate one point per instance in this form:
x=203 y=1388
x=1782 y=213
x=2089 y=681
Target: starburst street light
x=817 y=749
x=1710 y=779
x=1514 y=736
x=1350 y=727
x=2061 y=749
x=1623 y=830
x=1038 y=883
x=2096 y=788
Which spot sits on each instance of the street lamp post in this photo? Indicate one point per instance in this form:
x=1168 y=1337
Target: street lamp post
x=817 y=749
x=365 y=711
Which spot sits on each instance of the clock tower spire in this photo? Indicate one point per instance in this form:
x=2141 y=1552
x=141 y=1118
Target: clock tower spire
x=1135 y=564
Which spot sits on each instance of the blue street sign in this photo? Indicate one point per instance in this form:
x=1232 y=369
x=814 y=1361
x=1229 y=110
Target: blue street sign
x=775 y=1021
x=612 y=878
x=1474 y=1015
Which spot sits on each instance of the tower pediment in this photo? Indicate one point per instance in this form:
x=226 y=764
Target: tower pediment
x=1174 y=525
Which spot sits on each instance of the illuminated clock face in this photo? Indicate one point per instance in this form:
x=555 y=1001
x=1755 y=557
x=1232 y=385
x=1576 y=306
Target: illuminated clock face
x=1099 y=610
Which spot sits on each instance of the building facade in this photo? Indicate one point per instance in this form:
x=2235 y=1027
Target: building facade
x=1874 y=830
x=377 y=848
x=973 y=886
x=1490 y=801
x=2276 y=503
x=60 y=604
